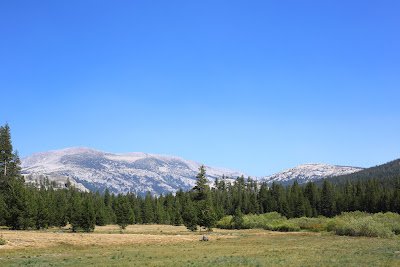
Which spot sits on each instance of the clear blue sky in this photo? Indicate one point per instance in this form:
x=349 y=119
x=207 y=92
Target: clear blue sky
x=257 y=86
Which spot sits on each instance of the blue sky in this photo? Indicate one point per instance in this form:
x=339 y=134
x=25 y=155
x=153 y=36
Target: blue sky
x=257 y=86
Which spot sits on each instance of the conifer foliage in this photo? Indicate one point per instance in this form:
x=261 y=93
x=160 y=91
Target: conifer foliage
x=28 y=207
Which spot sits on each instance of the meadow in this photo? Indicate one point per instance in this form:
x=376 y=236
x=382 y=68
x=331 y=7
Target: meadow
x=165 y=245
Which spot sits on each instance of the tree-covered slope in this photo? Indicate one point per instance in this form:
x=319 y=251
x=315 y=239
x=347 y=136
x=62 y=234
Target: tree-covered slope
x=385 y=173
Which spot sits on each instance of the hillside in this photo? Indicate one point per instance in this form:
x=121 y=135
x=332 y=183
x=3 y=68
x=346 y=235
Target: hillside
x=58 y=181
x=385 y=173
x=135 y=172
x=309 y=172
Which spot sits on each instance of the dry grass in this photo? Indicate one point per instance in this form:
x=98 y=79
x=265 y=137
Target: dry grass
x=159 y=245
x=110 y=235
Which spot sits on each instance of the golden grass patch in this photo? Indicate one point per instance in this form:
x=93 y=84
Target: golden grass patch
x=104 y=236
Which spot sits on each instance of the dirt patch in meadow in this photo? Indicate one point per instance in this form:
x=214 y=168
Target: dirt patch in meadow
x=106 y=236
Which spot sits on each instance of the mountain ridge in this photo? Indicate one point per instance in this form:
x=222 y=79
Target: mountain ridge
x=385 y=171
x=136 y=172
x=309 y=172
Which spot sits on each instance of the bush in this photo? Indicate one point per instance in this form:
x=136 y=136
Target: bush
x=225 y=223
x=364 y=227
x=390 y=220
x=263 y=221
x=285 y=227
x=348 y=223
x=312 y=224
x=360 y=224
x=2 y=241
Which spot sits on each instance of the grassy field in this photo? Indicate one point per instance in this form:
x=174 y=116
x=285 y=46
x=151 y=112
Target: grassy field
x=163 y=245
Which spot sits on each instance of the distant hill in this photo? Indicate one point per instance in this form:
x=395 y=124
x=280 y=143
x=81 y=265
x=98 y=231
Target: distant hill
x=135 y=172
x=309 y=173
x=385 y=173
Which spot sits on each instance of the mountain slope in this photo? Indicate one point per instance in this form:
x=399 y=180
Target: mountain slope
x=136 y=172
x=309 y=172
x=387 y=171
x=58 y=181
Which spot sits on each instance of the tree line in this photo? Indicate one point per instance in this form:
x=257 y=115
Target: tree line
x=26 y=206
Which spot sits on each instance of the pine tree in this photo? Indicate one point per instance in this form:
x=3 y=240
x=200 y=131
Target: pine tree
x=201 y=189
x=100 y=210
x=75 y=210
x=202 y=196
x=124 y=212
x=20 y=206
x=6 y=149
x=311 y=194
x=42 y=212
x=88 y=217
x=327 y=200
x=190 y=219
x=61 y=204
x=9 y=161
x=237 y=219
x=148 y=209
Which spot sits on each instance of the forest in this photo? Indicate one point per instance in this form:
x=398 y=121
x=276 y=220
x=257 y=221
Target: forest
x=29 y=207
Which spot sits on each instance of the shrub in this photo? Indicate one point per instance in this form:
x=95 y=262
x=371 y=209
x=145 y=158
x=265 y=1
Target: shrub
x=2 y=241
x=366 y=226
x=390 y=220
x=225 y=223
x=237 y=220
x=311 y=224
x=285 y=227
x=262 y=221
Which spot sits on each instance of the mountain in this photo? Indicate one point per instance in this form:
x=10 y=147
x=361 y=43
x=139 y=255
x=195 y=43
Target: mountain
x=387 y=172
x=58 y=181
x=309 y=172
x=135 y=172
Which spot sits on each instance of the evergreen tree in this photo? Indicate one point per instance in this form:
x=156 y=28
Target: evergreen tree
x=88 y=217
x=20 y=206
x=190 y=219
x=202 y=196
x=311 y=195
x=75 y=211
x=327 y=200
x=61 y=204
x=148 y=209
x=237 y=219
x=100 y=210
x=42 y=212
x=201 y=189
x=6 y=149
x=124 y=212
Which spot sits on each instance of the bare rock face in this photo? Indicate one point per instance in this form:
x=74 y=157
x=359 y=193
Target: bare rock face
x=309 y=172
x=121 y=173
x=58 y=181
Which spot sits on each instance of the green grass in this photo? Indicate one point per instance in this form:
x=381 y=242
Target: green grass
x=356 y=223
x=250 y=248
